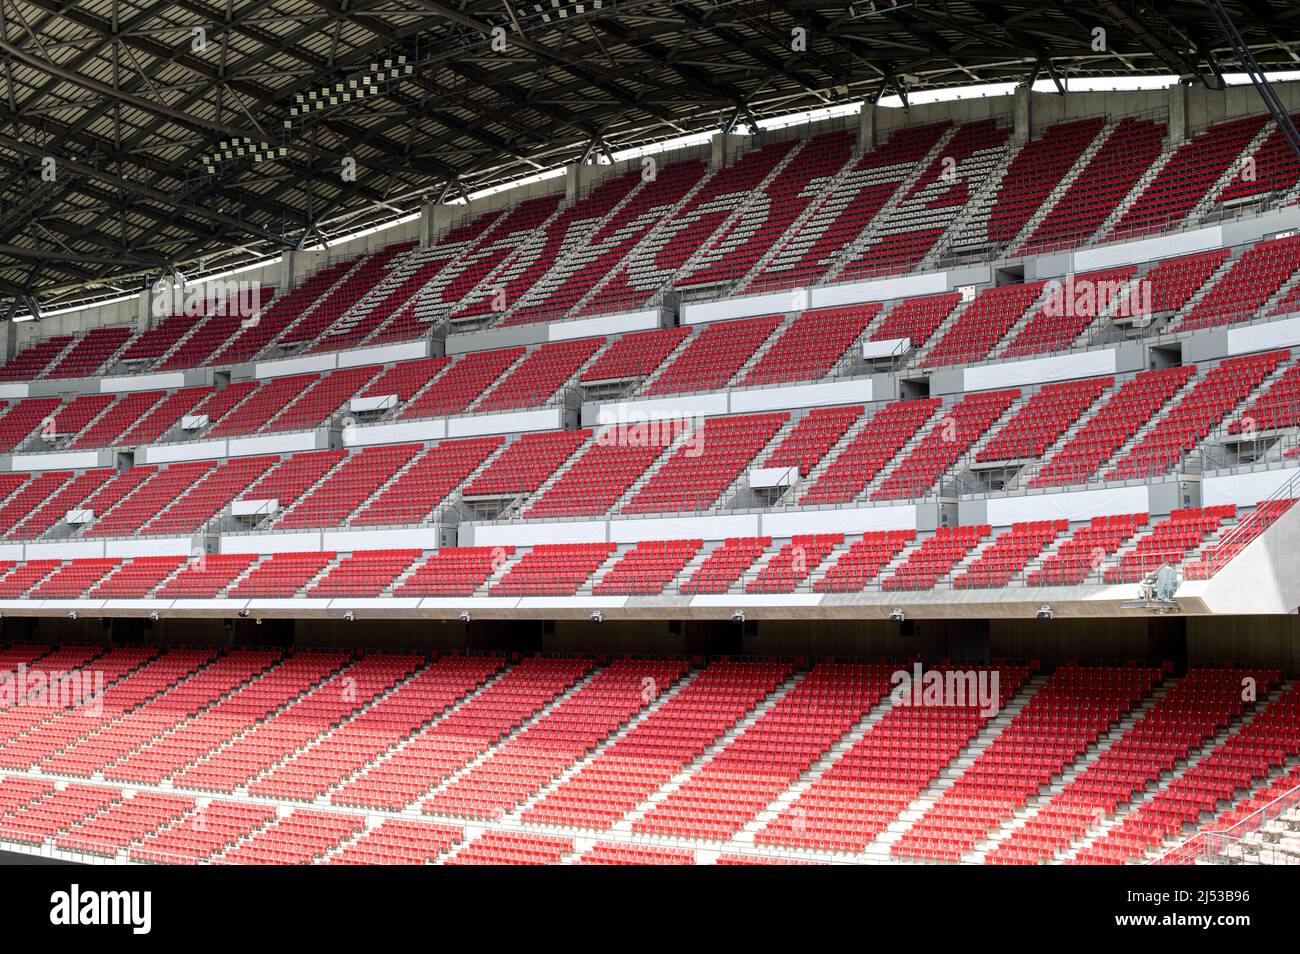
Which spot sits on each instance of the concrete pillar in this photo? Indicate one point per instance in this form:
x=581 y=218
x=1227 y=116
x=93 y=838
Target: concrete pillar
x=1023 y=113
x=285 y=279
x=867 y=126
x=435 y=218
x=144 y=308
x=578 y=178
x=9 y=341
x=723 y=147
x=1177 y=113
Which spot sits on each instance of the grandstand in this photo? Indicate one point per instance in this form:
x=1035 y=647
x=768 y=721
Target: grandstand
x=600 y=517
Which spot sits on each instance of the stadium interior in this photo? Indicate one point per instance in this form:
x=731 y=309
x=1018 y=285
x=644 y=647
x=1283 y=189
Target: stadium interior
x=616 y=506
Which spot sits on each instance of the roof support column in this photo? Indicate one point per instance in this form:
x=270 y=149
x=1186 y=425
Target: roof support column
x=724 y=147
x=579 y=177
x=435 y=218
x=867 y=126
x=1177 y=113
x=1024 y=118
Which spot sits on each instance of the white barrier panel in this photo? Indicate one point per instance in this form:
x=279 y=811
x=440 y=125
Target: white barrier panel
x=286 y=366
x=398 y=432
x=1071 y=505
x=776 y=303
x=845 y=391
x=1273 y=334
x=662 y=409
x=13 y=390
x=167 y=453
x=708 y=527
x=605 y=325
x=856 y=520
x=272 y=443
x=762 y=478
x=142 y=382
x=149 y=546
x=881 y=289
x=510 y=422
x=409 y=538
x=527 y=534
x=65 y=550
x=78 y=517
x=194 y=422
x=272 y=543
x=254 y=508
x=886 y=349
x=1244 y=490
x=380 y=402
x=1064 y=367
x=1148 y=250
x=11 y=551
x=65 y=460
x=383 y=354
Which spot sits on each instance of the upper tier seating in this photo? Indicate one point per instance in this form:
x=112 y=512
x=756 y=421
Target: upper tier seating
x=904 y=234
x=1275 y=168
x=1195 y=415
x=811 y=345
x=862 y=562
x=982 y=323
x=916 y=319
x=1035 y=171
x=670 y=246
x=1183 y=181
x=426 y=483
x=1042 y=419
x=634 y=356
x=457 y=387
x=534 y=381
x=940 y=447
x=1253 y=279
x=602 y=472
x=845 y=211
x=713 y=356
x=592 y=256
x=1127 y=152
x=1084 y=552
x=1169 y=541
x=768 y=212
x=703 y=467
x=865 y=456
x=1111 y=426
x=555 y=569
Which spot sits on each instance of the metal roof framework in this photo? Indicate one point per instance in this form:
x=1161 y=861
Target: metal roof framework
x=121 y=121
